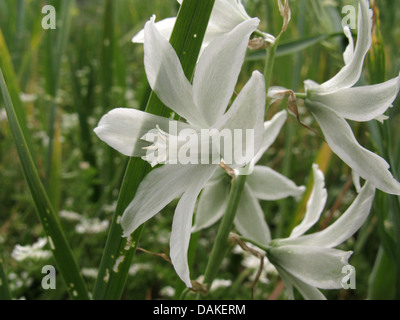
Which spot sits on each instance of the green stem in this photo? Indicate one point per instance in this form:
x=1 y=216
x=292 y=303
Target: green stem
x=269 y=65
x=395 y=204
x=5 y=293
x=221 y=241
x=301 y=95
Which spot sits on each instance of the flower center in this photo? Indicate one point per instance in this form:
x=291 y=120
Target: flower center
x=162 y=143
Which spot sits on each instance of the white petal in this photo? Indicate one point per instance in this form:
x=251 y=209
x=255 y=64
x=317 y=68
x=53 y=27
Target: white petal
x=157 y=189
x=361 y=103
x=123 y=128
x=308 y=292
x=356 y=181
x=315 y=204
x=246 y=113
x=341 y=139
x=166 y=77
x=227 y=14
x=250 y=220
x=212 y=205
x=343 y=228
x=350 y=73
x=271 y=131
x=218 y=69
x=267 y=184
x=182 y=223
x=349 y=52
x=316 y=266
x=165 y=27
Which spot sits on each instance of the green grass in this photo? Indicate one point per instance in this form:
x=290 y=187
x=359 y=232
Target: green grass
x=61 y=83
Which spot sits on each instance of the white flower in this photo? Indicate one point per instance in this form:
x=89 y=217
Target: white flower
x=336 y=100
x=203 y=105
x=262 y=184
x=3 y=115
x=31 y=252
x=308 y=262
x=70 y=215
x=225 y=16
x=217 y=283
x=91 y=226
x=167 y=292
x=90 y=272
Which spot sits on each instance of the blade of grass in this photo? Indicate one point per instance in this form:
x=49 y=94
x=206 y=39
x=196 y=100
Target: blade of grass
x=377 y=74
x=380 y=284
x=106 y=74
x=5 y=293
x=192 y=20
x=55 y=49
x=290 y=132
x=8 y=70
x=62 y=252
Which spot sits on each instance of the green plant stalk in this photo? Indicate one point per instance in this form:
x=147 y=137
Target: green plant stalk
x=287 y=165
x=377 y=74
x=62 y=252
x=107 y=78
x=118 y=253
x=55 y=51
x=221 y=242
x=5 y=293
x=7 y=66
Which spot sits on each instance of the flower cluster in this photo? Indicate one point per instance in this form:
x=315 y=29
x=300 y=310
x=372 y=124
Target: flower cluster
x=305 y=262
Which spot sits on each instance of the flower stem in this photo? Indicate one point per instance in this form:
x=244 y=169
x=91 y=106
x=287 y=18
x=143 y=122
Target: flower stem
x=220 y=246
x=269 y=68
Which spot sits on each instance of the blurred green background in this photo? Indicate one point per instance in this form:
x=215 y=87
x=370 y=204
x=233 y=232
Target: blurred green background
x=64 y=80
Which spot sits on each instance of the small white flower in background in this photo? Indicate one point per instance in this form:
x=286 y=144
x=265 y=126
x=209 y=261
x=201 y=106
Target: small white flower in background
x=262 y=184
x=91 y=226
x=135 y=268
x=19 y=281
x=90 y=272
x=309 y=262
x=31 y=252
x=167 y=292
x=203 y=104
x=28 y=97
x=226 y=15
x=85 y=225
x=70 y=215
x=336 y=100
x=3 y=115
x=217 y=283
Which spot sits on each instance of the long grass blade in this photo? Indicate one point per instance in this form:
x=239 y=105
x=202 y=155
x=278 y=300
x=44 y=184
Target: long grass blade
x=62 y=252
x=5 y=293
